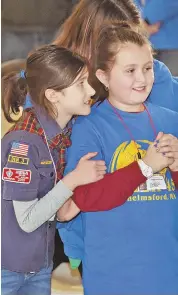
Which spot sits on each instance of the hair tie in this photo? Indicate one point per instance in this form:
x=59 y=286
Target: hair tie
x=22 y=74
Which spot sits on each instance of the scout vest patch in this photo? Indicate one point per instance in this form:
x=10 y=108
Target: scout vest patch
x=19 y=149
x=18 y=160
x=16 y=175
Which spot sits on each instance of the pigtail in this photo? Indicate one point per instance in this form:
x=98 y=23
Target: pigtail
x=14 y=91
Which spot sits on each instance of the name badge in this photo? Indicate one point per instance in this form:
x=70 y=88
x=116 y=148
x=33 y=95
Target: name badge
x=156 y=182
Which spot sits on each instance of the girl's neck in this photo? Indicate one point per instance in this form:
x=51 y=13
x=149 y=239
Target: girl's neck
x=137 y=108
x=63 y=119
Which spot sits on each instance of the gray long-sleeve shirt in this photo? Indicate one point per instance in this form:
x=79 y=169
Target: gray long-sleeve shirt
x=30 y=215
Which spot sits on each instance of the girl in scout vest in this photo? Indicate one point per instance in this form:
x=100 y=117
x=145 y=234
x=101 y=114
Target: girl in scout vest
x=131 y=249
x=33 y=160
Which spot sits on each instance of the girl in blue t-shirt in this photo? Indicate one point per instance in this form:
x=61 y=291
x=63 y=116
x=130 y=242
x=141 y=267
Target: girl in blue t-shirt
x=132 y=249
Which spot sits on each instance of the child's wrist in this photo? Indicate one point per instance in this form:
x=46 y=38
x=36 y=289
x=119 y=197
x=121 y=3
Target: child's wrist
x=70 y=180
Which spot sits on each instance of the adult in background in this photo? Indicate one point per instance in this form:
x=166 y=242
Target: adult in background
x=161 y=20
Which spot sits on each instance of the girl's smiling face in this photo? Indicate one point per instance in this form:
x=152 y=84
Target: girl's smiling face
x=76 y=98
x=131 y=78
x=73 y=100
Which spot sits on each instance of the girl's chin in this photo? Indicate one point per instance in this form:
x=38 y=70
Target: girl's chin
x=85 y=111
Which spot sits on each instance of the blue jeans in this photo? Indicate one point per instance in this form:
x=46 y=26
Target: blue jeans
x=14 y=283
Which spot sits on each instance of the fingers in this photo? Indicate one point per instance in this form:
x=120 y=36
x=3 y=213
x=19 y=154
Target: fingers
x=168 y=151
x=165 y=149
x=160 y=134
x=100 y=177
x=101 y=171
x=171 y=155
x=100 y=162
x=167 y=137
x=88 y=156
x=153 y=145
x=155 y=27
x=163 y=143
x=168 y=147
x=152 y=29
x=168 y=141
x=101 y=167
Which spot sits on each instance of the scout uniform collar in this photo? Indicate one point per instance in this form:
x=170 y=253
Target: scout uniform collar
x=50 y=126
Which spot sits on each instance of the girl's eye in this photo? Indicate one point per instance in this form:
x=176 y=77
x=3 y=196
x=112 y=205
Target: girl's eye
x=148 y=68
x=130 y=71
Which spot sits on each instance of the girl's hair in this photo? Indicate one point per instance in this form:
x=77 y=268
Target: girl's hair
x=50 y=67
x=110 y=39
x=79 y=31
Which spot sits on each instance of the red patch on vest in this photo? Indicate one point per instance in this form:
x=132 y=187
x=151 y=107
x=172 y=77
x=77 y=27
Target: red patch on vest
x=16 y=175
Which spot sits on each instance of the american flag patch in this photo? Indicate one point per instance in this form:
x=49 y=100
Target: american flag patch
x=19 y=149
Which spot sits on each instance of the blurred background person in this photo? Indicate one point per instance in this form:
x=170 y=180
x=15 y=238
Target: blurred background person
x=160 y=18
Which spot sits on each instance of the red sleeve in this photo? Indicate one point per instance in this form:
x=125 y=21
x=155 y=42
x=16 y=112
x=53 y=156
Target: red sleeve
x=175 y=178
x=112 y=191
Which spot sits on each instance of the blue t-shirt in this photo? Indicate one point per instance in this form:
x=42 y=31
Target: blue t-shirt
x=132 y=249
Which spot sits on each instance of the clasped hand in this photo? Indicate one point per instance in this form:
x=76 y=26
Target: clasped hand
x=167 y=144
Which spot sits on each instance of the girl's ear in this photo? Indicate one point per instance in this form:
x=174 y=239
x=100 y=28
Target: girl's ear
x=52 y=95
x=102 y=77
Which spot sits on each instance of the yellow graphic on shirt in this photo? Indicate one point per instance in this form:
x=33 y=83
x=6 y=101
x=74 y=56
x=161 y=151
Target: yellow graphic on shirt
x=126 y=153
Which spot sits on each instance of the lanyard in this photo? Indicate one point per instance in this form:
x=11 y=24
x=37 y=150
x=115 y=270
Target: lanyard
x=127 y=128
